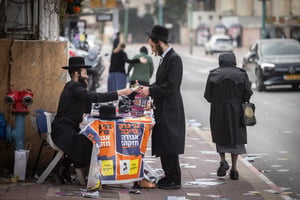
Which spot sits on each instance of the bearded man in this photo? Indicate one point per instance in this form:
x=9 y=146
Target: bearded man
x=73 y=103
x=168 y=136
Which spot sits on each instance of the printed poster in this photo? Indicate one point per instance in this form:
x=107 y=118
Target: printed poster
x=122 y=146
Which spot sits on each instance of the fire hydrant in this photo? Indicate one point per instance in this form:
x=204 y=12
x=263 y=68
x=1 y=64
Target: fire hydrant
x=19 y=100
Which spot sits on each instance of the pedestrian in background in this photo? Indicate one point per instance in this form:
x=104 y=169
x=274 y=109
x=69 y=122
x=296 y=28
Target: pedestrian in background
x=141 y=72
x=168 y=135
x=117 y=77
x=226 y=89
x=73 y=102
x=116 y=41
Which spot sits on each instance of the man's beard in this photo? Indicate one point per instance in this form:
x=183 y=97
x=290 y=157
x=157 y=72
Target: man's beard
x=84 y=81
x=158 y=50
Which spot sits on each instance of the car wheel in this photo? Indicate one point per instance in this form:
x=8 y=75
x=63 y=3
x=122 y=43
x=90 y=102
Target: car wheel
x=259 y=81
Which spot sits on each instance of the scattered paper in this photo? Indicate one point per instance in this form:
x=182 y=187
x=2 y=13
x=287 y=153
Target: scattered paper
x=175 y=198
x=283 y=170
x=275 y=166
x=208 y=152
x=251 y=193
x=193 y=194
x=272 y=191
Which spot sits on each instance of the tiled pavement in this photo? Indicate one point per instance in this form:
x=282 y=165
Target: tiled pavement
x=199 y=180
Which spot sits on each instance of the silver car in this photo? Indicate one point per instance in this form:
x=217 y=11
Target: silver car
x=218 y=44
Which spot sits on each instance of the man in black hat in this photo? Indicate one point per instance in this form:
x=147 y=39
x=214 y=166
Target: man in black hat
x=74 y=100
x=168 y=136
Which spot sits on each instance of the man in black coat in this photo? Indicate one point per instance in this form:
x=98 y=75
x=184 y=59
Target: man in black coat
x=73 y=103
x=226 y=89
x=168 y=136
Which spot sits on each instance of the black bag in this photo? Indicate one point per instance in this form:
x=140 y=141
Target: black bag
x=248 y=114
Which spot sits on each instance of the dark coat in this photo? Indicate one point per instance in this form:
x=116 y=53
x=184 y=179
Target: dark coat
x=168 y=136
x=118 y=61
x=72 y=105
x=226 y=89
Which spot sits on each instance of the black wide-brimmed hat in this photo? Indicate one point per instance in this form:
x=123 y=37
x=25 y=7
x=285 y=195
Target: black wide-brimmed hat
x=76 y=63
x=108 y=112
x=159 y=32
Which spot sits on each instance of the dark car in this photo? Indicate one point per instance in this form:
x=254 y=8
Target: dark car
x=273 y=62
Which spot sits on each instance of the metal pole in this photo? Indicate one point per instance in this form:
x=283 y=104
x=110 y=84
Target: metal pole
x=190 y=9
x=160 y=12
x=263 y=18
x=126 y=21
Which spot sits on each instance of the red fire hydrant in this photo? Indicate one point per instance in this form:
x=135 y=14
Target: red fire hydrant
x=19 y=100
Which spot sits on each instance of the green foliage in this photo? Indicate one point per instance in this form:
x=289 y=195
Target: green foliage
x=174 y=11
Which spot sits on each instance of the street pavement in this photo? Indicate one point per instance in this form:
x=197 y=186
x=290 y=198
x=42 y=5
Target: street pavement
x=198 y=164
x=199 y=180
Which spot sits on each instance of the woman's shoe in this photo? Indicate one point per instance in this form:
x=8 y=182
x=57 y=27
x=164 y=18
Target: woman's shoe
x=234 y=175
x=223 y=168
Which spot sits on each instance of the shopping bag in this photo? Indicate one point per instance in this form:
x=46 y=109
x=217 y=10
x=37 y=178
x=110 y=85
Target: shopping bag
x=21 y=160
x=249 y=114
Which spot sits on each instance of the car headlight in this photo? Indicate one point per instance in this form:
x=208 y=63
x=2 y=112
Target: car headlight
x=267 y=65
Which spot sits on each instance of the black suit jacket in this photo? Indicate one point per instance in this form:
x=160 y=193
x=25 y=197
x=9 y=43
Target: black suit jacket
x=168 y=136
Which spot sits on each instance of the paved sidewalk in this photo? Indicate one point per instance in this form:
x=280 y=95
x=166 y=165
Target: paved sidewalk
x=199 y=180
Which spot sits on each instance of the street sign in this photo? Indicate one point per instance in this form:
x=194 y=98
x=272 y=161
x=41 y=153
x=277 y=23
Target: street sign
x=104 y=17
x=103 y=3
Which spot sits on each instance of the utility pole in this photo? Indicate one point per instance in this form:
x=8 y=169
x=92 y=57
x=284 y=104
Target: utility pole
x=263 y=19
x=160 y=12
x=126 y=21
x=190 y=20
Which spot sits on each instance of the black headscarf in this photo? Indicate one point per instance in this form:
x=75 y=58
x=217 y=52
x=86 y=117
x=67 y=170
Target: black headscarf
x=227 y=60
x=227 y=70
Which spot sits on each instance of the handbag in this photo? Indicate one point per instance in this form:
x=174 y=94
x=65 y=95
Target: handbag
x=248 y=114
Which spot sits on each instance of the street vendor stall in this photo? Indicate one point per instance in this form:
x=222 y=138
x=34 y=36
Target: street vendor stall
x=121 y=145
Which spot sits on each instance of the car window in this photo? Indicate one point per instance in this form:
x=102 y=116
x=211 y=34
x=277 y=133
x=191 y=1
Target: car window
x=281 y=48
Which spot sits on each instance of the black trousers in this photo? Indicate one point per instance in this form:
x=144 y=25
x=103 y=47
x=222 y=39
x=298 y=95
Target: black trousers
x=170 y=165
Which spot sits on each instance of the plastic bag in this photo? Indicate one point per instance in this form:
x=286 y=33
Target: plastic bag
x=94 y=181
x=21 y=160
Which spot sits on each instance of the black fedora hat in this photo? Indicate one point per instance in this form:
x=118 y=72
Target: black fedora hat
x=159 y=32
x=76 y=62
x=108 y=112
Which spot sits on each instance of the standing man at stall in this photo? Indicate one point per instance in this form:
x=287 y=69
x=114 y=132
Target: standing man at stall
x=168 y=136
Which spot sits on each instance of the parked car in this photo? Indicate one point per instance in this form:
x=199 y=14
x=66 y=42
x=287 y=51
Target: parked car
x=218 y=43
x=273 y=62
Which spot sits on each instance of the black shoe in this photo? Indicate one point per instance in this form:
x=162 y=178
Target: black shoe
x=63 y=174
x=169 y=185
x=223 y=168
x=162 y=180
x=234 y=175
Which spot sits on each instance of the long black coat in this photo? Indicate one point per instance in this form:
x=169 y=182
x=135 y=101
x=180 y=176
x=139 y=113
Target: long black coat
x=226 y=89
x=73 y=102
x=168 y=136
